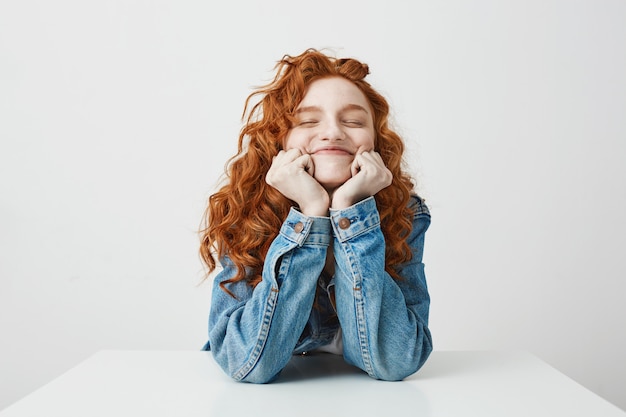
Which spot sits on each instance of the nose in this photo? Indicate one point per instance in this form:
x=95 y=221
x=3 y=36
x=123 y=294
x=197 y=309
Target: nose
x=332 y=131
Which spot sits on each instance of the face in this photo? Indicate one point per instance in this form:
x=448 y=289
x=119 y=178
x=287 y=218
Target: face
x=334 y=122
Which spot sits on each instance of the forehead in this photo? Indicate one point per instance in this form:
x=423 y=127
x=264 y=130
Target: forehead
x=334 y=91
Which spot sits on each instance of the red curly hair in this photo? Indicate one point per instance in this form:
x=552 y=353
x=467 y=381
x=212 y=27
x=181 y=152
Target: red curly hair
x=245 y=215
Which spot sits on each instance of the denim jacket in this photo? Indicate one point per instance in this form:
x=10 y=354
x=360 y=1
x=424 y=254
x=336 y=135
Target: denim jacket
x=384 y=322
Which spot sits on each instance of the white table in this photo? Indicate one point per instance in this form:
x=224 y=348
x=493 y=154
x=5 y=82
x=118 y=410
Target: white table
x=186 y=383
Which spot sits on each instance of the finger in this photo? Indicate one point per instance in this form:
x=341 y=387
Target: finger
x=363 y=160
x=276 y=160
x=356 y=165
x=306 y=162
x=285 y=158
x=376 y=156
x=374 y=159
x=289 y=155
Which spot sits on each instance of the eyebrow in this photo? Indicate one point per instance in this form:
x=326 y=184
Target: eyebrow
x=307 y=109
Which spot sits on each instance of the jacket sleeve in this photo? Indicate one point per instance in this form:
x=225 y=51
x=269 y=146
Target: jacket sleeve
x=384 y=321
x=252 y=335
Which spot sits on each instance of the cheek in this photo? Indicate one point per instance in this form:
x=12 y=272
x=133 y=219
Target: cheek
x=295 y=140
x=286 y=141
x=367 y=142
x=290 y=141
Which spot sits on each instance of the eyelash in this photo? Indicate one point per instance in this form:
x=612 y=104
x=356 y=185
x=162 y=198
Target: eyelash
x=355 y=123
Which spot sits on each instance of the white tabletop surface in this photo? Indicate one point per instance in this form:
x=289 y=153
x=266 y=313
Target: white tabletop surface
x=189 y=383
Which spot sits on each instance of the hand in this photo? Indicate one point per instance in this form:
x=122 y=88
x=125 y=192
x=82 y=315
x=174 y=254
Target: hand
x=369 y=176
x=291 y=174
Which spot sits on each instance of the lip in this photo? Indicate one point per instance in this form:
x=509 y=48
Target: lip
x=332 y=150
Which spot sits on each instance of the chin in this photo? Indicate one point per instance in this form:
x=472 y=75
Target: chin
x=332 y=183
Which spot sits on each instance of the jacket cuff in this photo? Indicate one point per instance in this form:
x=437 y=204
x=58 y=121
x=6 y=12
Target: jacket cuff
x=355 y=220
x=306 y=230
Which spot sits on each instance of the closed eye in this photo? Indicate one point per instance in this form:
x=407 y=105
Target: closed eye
x=353 y=123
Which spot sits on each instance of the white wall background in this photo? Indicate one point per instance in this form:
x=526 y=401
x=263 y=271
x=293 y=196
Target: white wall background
x=117 y=116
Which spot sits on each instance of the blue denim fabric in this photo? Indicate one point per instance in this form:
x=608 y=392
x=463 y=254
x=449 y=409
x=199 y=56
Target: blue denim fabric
x=384 y=321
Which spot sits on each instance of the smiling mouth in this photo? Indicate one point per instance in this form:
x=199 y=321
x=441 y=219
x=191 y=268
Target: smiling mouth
x=332 y=151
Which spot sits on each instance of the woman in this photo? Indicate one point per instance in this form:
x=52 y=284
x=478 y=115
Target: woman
x=318 y=231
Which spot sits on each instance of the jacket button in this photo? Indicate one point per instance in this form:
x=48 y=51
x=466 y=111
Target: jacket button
x=344 y=222
x=298 y=227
